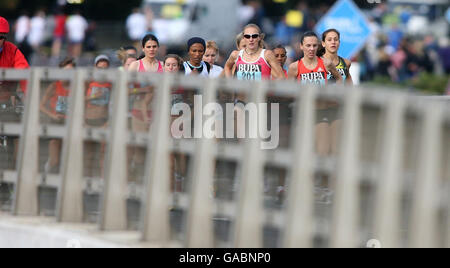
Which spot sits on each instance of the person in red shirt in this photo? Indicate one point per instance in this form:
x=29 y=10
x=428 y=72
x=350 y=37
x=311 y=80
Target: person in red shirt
x=10 y=57
x=59 y=32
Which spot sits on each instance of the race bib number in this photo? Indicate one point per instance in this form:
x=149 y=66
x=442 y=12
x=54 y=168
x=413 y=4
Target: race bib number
x=341 y=71
x=61 y=105
x=100 y=96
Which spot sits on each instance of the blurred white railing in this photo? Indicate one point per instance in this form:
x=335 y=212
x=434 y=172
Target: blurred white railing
x=428 y=185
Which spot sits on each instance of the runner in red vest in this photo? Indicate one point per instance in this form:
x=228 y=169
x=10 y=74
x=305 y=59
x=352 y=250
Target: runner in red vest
x=312 y=69
x=54 y=104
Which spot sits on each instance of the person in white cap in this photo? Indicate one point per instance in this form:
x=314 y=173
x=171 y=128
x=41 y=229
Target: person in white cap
x=97 y=99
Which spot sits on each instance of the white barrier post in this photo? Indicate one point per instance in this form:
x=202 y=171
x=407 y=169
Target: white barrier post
x=26 y=191
x=70 y=195
x=299 y=226
x=248 y=223
x=155 y=209
x=200 y=233
x=114 y=203
x=388 y=198
x=355 y=72
x=346 y=207
x=425 y=201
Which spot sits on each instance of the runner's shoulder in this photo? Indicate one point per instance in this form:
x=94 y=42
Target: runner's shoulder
x=134 y=66
x=234 y=54
x=294 y=65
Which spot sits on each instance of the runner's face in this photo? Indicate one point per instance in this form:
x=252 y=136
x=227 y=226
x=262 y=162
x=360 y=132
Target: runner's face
x=310 y=46
x=252 y=43
x=196 y=52
x=171 y=66
x=102 y=65
x=210 y=56
x=331 y=43
x=281 y=56
x=151 y=49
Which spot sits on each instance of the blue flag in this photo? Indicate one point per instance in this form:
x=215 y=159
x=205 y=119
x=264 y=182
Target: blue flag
x=348 y=19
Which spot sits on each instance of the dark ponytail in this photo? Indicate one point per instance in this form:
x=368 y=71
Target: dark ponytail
x=321 y=51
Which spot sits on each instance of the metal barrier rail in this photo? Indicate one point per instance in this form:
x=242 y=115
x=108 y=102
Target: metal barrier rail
x=297 y=220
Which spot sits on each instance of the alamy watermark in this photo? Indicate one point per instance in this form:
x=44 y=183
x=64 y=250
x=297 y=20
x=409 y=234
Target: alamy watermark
x=374 y=1
x=209 y=122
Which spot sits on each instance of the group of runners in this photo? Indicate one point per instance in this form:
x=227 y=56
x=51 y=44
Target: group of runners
x=320 y=65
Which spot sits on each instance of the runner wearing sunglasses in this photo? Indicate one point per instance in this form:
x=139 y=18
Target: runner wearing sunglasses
x=253 y=62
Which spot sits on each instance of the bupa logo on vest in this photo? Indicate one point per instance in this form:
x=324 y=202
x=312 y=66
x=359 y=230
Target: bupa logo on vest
x=313 y=77
x=250 y=68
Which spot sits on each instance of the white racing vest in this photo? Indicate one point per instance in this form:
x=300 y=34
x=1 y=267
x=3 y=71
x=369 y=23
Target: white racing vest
x=188 y=71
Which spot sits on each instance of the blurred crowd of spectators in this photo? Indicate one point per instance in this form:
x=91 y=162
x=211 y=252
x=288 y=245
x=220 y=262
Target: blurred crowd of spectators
x=393 y=51
x=53 y=30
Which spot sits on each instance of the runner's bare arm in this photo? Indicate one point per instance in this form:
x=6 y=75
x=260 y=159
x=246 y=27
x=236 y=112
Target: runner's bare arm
x=332 y=69
x=277 y=71
x=293 y=70
x=228 y=68
x=47 y=95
